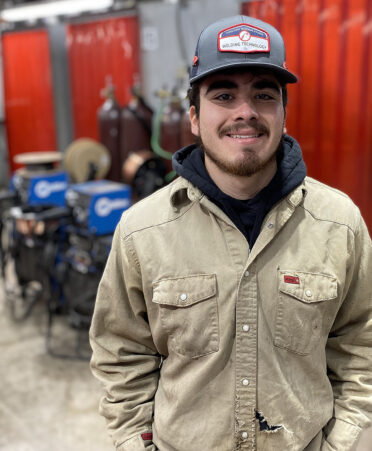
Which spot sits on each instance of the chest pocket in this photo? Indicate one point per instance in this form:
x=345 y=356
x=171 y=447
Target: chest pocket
x=189 y=314
x=303 y=302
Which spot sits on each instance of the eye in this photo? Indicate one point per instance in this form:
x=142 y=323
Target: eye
x=264 y=96
x=223 y=97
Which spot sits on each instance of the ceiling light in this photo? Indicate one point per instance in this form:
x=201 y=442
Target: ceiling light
x=50 y=9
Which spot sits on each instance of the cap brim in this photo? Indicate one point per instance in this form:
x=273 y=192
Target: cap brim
x=283 y=75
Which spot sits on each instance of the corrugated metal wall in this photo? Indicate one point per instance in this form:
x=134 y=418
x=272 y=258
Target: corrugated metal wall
x=330 y=110
x=28 y=92
x=97 y=50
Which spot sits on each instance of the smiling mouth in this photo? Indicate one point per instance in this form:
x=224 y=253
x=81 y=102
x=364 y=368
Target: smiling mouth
x=244 y=131
x=235 y=136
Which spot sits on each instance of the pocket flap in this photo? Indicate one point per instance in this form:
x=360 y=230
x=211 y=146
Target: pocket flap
x=308 y=287
x=184 y=291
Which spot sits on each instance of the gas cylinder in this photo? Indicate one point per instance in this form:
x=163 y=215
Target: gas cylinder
x=135 y=125
x=171 y=124
x=109 y=129
x=170 y=131
x=187 y=137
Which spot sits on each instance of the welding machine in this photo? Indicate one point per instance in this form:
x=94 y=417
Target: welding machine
x=83 y=265
x=39 y=183
x=36 y=240
x=97 y=205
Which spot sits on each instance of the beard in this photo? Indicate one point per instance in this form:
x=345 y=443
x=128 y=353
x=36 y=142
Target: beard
x=247 y=166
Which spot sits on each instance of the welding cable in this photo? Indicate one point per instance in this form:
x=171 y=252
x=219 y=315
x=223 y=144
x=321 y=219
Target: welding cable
x=155 y=142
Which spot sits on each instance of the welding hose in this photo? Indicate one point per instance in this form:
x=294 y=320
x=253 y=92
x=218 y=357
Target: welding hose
x=155 y=142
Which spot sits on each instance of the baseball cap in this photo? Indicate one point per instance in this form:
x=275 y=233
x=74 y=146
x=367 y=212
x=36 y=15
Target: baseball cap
x=240 y=41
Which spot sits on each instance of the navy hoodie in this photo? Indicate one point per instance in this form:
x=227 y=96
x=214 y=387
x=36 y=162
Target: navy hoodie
x=247 y=215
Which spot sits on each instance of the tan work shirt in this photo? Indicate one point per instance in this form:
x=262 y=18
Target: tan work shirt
x=193 y=332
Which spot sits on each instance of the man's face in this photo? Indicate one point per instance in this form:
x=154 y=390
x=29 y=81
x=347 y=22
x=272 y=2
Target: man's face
x=240 y=122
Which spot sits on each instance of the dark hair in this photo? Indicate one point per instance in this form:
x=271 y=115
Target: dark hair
x=193 y=95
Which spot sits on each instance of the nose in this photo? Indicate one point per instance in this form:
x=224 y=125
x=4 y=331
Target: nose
x=246 y=111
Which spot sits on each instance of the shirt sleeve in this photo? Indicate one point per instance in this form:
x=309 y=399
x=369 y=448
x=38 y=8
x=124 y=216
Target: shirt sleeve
x=349 y=349
x=124 y=358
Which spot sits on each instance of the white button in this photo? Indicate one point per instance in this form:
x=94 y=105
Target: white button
x=183 y=297
x=246 y=327
x=246 y=274
x=245 y=382
x=270 y=226
x=244 y=434
x=308 y=293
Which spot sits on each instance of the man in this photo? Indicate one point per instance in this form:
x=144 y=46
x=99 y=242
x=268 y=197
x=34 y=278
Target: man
x=235 y=310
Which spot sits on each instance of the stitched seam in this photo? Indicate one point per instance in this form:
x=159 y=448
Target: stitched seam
x=327 y=220
x=132 y=252
x=134 y=436
x=160 y=223
x=284 y=271
x=348 y=422
x=302 y=299
x=209 y=276
x=287 y=348
x=201 y=297
x=323 y=185
x=194 y=298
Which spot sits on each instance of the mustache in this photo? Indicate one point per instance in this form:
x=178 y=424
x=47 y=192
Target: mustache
x=236 y=128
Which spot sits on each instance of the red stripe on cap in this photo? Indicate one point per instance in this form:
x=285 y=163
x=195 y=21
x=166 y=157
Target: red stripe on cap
x=292 y=279
x=147 y=436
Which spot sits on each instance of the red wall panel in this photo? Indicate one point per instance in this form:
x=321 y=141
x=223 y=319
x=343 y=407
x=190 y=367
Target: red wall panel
x=28 y=93
x=97 y=50
x=328 y=46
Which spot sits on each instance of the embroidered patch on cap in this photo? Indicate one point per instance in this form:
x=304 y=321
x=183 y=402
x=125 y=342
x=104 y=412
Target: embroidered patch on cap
x=147 y=436
x=292 y=279
x=243 y=38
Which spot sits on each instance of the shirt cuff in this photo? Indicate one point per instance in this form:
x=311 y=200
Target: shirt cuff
x=140 y=442
x=339 y=435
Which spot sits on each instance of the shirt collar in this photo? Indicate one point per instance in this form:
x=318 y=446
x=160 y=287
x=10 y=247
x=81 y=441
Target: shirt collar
x=184 y=191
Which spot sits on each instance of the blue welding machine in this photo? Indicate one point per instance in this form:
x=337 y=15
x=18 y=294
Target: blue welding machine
x=97 y=205
x=41 y=188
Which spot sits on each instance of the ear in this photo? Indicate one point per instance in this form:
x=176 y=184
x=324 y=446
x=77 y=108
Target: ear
x=194 y=122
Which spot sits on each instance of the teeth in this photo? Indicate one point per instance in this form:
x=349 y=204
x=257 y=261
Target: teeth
x=244 y=136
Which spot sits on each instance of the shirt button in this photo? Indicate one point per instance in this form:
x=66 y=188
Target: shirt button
x=183 y=297
x=244 y=434
x=245 y=382
x=270 y=226
x=308 y=293
x=246 y=274
x=246 y=328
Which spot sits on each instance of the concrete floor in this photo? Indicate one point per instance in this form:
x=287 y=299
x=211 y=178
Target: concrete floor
x=47 y=403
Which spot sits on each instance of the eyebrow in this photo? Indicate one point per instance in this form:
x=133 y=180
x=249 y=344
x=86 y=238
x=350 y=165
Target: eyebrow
x=221 y=84
x=228 y=84
x=267 y=84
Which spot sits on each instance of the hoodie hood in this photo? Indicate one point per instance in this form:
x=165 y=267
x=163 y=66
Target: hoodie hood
x=291 y=168
x=247 y=215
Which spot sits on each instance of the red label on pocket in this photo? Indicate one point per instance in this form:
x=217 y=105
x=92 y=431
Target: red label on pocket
x=292 y=279
x=147 y=436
